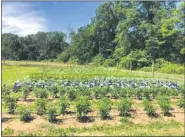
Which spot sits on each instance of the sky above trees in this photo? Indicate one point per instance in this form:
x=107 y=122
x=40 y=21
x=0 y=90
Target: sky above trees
x=24 y=18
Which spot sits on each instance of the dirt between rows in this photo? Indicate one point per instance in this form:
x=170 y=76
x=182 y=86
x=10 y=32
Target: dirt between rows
x=139 y=116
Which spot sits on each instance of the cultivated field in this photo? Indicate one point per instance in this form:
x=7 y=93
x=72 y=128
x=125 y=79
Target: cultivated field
x=62 y=99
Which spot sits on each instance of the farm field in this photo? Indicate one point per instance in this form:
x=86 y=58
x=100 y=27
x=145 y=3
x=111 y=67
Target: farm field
x=63 y=99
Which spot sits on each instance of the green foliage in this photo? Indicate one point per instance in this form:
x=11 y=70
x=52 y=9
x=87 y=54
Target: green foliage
x=72 y=94
x=104 y=108
x=82 y=106
x=125 y=107
x=6 y=90
x=98 y=60
x=63 y=105
x=181 y=102
x=7 y=131
x=10 y=104
x=40 y=106
x=54 y=91
x=25 y=91
x=109 y=63
x=164 y=104
x=64 y=56
x=51 y=114
x=149 y=108
x=40 y=93
x=62 y=91
x=25 y=114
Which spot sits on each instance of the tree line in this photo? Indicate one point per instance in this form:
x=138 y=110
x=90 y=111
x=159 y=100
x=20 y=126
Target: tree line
x=119 y=33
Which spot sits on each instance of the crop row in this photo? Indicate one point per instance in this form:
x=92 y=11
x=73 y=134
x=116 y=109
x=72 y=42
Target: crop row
x=82 y=107
x=111 y=82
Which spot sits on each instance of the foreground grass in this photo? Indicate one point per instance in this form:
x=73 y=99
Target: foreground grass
x=126 y=128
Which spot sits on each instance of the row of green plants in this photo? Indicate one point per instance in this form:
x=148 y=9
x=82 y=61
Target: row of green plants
x=83 y=106
x=95 y=92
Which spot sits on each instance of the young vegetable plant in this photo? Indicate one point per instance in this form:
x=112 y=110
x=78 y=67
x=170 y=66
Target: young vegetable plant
x=6 y=90
x=125 y=106
x=62 y=91
x=104 y=109
x=10 y=104
x=51 y=114
x=63 y=105
x=164 y=104
x=40 y=93
x=82 y=107
x=72 y=94
x=54 y=91
x=25 y=114
x=149 y=108
x=40 y=106
x=181 y=102
x=25 y=91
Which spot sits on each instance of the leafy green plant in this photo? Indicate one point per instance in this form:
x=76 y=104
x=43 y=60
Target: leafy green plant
x=82 y=106
x=25 y=114
x=149 y=108
x=10 y=104
x=63 y=105
x=40 y=93
x=62 y=91
x=7 y=131
x=125 y=106
x=25 y=91
x=6 y=90
x=40 y=106
x=104 y=108
x=147 y=93
x=181 y=102
x=54 y=91
x=51 y=114
x=164 y=104
x=72 y=94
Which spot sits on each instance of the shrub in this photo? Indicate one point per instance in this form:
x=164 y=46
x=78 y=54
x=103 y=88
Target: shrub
x=10 y=104
x=64 y=56
x=25 y=114
x=164 y=104
x=181 y=102
x=40 y=93
x=51 y=114
x=148 y=107
x=54 y=91
x=25 y=91
x=63 y=105
x=104 y=108
x=98 y=60
x=125 y=106
x=109 y=63
x=40 y=106
x=82 y=106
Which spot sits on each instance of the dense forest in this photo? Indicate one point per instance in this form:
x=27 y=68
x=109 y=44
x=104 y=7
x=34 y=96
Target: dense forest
x=119 y=33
